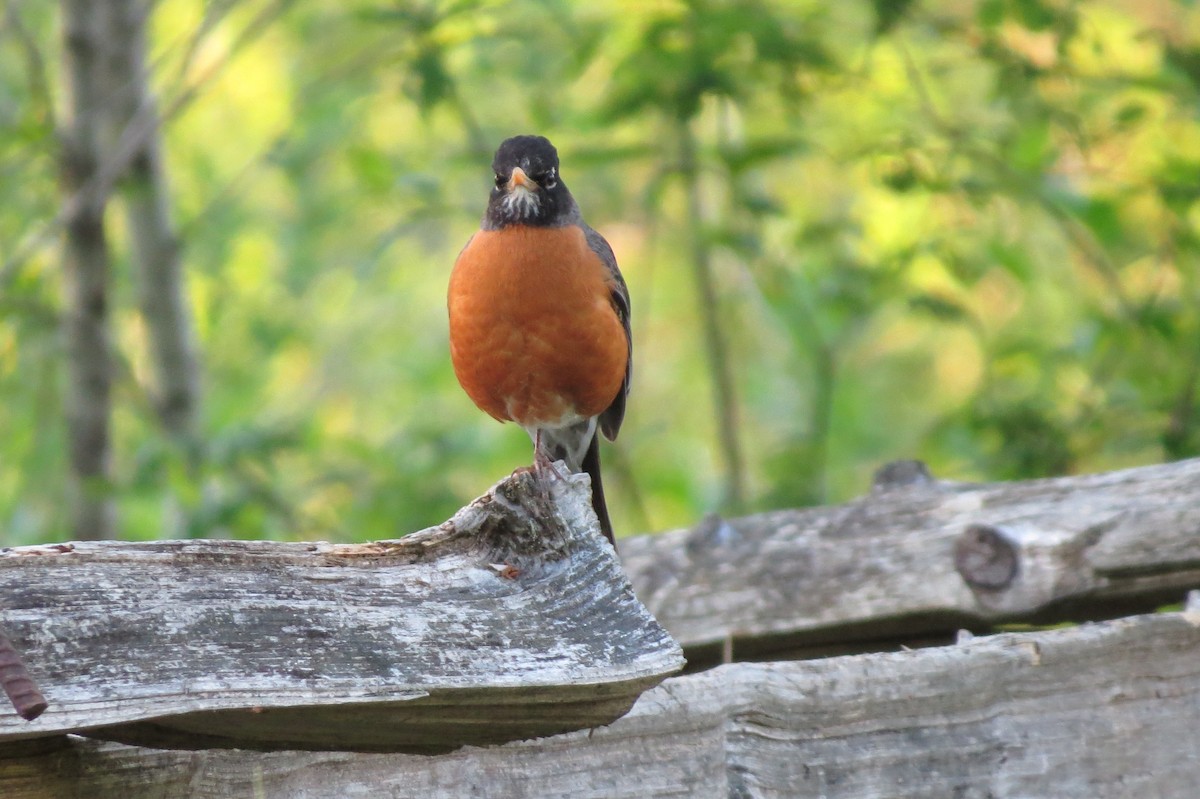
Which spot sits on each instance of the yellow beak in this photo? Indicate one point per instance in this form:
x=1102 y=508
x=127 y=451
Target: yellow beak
x=519 y=178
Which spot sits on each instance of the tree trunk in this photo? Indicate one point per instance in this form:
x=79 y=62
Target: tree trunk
x=154 y=246
x=85 y=277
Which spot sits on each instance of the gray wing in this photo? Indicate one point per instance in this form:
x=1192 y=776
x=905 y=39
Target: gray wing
x=614 y=414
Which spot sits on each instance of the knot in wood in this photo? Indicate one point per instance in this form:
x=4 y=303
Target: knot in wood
x=711 y=534
x=985 y=557
x=901 y=474
x=521 y=519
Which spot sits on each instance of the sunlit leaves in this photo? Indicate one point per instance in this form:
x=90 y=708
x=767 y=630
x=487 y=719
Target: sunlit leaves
x=967 y=233
x=725 y=48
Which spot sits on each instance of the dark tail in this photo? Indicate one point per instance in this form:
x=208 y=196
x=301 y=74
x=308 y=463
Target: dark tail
x=591 y=465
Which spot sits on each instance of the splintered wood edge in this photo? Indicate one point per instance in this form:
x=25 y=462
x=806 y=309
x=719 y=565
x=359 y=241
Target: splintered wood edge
x=522 y=550
x=474 y=528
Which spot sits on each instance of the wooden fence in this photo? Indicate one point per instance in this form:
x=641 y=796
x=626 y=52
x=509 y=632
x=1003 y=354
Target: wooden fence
x=881 y=648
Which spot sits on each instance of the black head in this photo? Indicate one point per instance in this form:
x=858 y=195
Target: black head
x=529 y=190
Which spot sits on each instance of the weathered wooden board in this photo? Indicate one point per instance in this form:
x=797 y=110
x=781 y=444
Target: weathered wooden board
x=919 y=557
x=1097 y=711
x=511 y=620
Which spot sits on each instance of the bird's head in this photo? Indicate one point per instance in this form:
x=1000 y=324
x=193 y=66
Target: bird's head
x=528 y=190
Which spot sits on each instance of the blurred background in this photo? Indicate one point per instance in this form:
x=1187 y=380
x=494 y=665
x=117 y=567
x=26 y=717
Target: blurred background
x=965 y=232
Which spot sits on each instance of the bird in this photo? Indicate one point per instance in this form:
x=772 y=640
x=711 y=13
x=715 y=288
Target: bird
x=540 y=316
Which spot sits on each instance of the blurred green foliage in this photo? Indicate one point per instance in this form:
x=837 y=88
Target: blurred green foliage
x=964 y=232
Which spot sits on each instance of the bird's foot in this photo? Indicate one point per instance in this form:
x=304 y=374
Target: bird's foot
x=542 y=462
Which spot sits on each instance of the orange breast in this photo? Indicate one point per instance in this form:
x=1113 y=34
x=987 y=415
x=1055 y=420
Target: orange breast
x=533 y=335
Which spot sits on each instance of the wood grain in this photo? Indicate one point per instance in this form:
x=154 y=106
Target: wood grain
x=512 y=620
x=918 y=558
x=1097 y=711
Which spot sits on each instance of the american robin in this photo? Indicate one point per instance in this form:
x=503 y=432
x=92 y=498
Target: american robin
x=539 y=316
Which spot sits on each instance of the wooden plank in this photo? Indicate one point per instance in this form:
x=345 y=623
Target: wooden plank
x=512 y=620
x=1096 y=711
x=919 y=557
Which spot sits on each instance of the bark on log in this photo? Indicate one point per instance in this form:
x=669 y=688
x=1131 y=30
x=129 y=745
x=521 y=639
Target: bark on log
x=512 y=620
x=1092 y=712
x=919 y=558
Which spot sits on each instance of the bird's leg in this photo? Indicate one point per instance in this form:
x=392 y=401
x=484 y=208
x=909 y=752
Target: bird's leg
x=541 y=459
x=542 y=465
x=542 y=462
x=543 y=470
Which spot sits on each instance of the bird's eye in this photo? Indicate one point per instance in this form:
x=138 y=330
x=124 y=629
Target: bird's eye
x=500 y=179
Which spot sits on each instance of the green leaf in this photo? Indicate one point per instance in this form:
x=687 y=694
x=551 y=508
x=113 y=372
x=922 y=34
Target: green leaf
x=991 y=13
x=888 y=13
x=1032 y=149
x=1103 y=218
